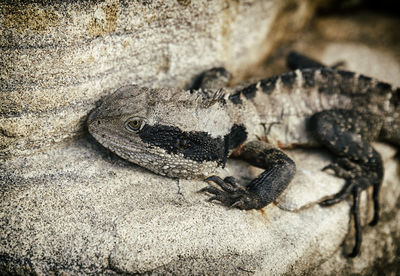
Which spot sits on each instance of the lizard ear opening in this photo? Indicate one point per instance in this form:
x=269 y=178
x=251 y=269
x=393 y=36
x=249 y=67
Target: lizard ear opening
x=134 y=124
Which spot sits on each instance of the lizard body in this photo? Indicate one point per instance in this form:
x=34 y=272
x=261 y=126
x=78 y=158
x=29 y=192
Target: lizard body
x=188 y=134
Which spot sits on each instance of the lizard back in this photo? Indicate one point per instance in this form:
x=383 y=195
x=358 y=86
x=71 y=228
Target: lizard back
x=283 y=104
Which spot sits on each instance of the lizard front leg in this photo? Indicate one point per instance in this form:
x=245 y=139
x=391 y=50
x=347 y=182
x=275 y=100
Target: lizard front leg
x=279 y=171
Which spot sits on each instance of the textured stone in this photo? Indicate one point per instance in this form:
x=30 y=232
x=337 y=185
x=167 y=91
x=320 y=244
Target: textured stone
x=78 y=209
x=82 y=211
x=59 y=59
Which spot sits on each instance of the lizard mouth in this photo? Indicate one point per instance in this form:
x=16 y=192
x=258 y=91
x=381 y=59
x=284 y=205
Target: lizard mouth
x=116 y=145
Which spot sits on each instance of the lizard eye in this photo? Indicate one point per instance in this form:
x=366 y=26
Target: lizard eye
x=134 y=124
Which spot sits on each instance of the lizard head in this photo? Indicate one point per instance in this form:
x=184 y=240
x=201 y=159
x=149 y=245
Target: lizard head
x=170 y=132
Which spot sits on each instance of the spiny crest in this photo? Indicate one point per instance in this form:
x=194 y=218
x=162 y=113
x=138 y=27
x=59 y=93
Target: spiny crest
x=201 y=98
x=206 y=97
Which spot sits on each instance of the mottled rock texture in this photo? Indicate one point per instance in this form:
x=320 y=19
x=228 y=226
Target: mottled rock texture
x=70 y=206
x=59 y=59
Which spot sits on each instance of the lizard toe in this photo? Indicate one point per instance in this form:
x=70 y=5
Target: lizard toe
x=228 y=184
x=229 y=192
x=340 y=170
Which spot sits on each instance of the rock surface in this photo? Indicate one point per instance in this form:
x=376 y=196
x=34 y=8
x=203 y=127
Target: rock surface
x=77 y=209
x=59 y=59
x=80 y=210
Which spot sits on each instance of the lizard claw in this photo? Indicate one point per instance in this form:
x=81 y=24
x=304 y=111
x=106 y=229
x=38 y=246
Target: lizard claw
x=228 y=184
x=229 y=192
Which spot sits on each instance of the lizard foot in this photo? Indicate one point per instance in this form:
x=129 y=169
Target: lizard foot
x=230 y=193
x=358 y=176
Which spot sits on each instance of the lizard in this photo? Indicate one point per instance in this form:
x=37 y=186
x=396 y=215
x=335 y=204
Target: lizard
x=182 y=133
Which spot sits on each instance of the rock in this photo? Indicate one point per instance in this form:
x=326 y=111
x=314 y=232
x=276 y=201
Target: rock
x=80 y=209
x=70 y=206
x=84 y=210
x=59 y=59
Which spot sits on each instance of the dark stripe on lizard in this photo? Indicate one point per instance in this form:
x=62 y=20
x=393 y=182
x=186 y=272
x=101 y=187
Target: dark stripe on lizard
x=288 y=79
x=327 y=80
x=198 y=146
x=249 y=92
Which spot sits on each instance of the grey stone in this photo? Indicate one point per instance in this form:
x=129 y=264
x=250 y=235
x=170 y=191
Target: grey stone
x=59 y=59
x=69 y=206
x=84 y=211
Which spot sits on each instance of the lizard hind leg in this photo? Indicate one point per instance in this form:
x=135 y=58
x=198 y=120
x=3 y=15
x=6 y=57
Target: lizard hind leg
x=296 y=60
x=347 y=134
